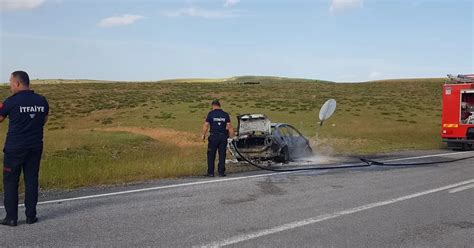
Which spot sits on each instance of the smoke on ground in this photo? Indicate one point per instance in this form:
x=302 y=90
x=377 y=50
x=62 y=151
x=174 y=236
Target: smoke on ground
x=323 y=152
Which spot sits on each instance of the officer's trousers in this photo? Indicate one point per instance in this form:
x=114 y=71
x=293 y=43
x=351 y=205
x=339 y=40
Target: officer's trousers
x=217 y=142
x=14 y=162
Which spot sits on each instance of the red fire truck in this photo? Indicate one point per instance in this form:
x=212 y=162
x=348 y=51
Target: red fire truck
x=458 y=112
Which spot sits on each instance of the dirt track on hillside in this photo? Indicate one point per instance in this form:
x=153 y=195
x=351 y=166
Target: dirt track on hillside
x=178 y=138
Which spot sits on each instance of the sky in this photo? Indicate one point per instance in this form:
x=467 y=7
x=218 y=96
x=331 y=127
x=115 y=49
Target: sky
x=145 y=40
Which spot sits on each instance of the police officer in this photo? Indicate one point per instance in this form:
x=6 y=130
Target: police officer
x=219 y=123
x=28 y=113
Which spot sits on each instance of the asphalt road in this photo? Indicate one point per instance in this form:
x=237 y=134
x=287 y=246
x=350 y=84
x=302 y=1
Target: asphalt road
x=423 y=206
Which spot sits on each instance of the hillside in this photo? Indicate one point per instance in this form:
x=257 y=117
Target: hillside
x=118 y=132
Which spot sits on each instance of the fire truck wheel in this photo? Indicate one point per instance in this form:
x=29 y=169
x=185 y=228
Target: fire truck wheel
x=466 y=147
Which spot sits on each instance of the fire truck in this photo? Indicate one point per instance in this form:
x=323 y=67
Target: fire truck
x=458 y=112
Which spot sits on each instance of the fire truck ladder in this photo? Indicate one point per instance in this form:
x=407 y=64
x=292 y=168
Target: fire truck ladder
x=461 y=78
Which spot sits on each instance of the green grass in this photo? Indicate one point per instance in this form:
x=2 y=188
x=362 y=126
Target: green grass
x=370 y=117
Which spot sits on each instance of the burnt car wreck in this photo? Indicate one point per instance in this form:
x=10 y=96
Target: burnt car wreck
x=259 y=139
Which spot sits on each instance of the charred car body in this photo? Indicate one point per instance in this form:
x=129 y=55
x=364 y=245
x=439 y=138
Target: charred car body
x=260 y=139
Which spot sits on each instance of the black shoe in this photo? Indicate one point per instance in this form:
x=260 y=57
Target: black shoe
x=222 y=175
x=210 y=175
x=7 y=222
x=31 y=220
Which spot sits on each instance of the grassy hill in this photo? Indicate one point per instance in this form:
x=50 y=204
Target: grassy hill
x=239 y=79
x=102 y=133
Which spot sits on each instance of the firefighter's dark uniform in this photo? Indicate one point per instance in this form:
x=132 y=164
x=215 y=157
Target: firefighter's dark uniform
x=218 y=120
x=27 y=112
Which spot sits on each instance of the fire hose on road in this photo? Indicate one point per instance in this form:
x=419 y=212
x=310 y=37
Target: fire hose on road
x=366 y=163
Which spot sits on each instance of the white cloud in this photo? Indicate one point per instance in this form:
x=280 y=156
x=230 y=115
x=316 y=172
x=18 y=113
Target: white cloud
x=230 y=3
x=204 y=13
x=337 y=5
x=119 y=20
x=19 y=4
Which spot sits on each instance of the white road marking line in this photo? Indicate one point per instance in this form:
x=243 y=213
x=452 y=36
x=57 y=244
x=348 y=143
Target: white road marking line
x=209 y=182
x=428 y=156
x=470 y=186
x=320 y=218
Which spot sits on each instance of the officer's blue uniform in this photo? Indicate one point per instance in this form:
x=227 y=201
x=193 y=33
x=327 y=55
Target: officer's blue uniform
x=218 y=120
x=27 y=112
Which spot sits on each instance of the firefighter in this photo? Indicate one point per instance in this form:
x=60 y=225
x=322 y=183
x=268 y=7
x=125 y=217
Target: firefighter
x=28 y=113
x=220 y=129
x=465 y=112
